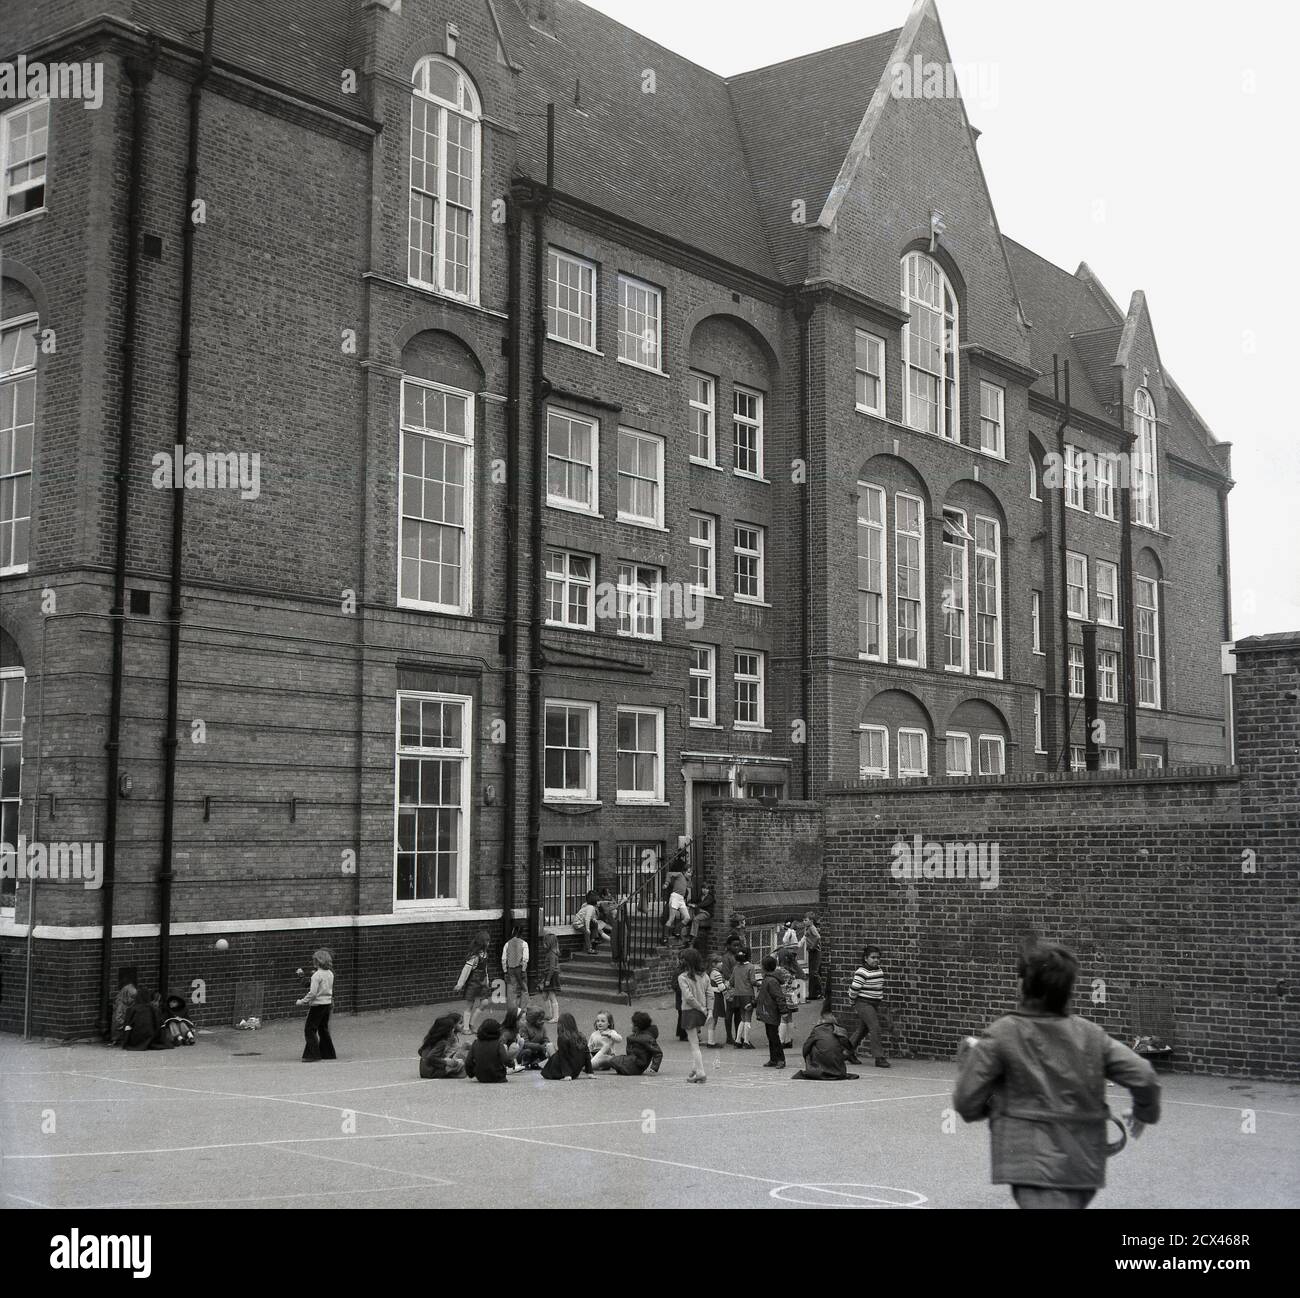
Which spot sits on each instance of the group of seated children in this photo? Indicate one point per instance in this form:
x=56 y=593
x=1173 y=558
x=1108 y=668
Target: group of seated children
x=140 y=1022
x=514 y=1046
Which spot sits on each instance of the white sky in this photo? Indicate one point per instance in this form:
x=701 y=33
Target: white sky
x=1158 y=142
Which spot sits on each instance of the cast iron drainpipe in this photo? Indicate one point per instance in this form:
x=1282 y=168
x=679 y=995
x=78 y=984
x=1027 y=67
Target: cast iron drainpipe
x=178 y=503
x=1061 y=429
x=510 y=648
x=803 y=312
x=140 y=71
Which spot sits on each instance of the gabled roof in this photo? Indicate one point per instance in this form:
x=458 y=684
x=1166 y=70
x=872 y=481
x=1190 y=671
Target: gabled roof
x=670 y=158
x=798 y=120
x=1072 y=321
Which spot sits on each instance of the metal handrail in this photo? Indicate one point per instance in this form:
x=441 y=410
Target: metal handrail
x=637 y=925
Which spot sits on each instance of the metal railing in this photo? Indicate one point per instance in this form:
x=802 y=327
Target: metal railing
x=638 y=921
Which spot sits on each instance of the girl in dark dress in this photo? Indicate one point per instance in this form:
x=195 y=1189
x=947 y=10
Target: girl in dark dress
x=572 y=1058
x=475 y=973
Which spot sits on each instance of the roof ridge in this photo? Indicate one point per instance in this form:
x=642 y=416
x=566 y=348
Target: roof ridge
x=811 y=54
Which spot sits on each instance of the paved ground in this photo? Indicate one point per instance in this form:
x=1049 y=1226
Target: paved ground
x=238 y=1121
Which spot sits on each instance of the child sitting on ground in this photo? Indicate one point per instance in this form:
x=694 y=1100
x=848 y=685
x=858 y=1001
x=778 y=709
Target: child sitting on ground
x=603 y=1039
x=125 y=998
x=534 y=1044
x=143 y=1027
x=441 y=1054
x=510 y=1039
x=486 y=1061
x=825 y=1051
x=643 y=1052
x=571 y=1057
x=176 y=1028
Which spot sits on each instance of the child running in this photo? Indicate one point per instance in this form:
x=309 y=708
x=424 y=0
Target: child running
x=603 y=1038
x=571 y=1058
x=867 y=996
x=1039 y=1076
x=643 y=1052
x=548 y=969
x=696 y=995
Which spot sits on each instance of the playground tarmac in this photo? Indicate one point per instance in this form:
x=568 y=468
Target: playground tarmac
x=238 y=1121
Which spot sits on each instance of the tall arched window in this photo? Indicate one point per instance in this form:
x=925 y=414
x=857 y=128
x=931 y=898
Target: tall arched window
x=929 y=347
x=1146 y=484
x=12 y=683
x=17 y=433
x=445 y=158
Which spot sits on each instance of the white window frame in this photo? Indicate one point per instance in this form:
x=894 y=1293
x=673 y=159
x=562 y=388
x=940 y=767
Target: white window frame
x=568 y=582
x=874 y=772
x=1078 y=757
x=996 y=421
x=11 y=381
x=587 y=793
x=707 y=546
x=465 y=754
x=881 y=530
x=15 y=740
x=957 y=524
x=1145 y=495
x=1034 y=493
x=704 y=409
x=994 y=614
x=963 y=744
x=592 y=504
x=1076 y=663
x=755 y=554
x=1110 y=759
x=629 y=590
x=468 y=108
x=633 y=796
x=1107 y=597
x=1107 y=676
x=1144 y=614
x=1036 y=622
x=1079 y=614
x=464 y=606
x=1075 y=492
x=638 y=342
x=996 y=744
x=1151 y=761
x=919 y=537
x=1038 y=722
x=1104 y=493
x=910 y=773
x=656 y=519
x=708 y=674
x=875 y=350
x=587 y=292
x=758 y=678
x=948 y=377
x=754 y=423
x=8 y=191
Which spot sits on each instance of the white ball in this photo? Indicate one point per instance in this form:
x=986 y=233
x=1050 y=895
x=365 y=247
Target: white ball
x=221 y=944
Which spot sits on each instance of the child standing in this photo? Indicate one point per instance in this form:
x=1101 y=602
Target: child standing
x=549 y=976
x=486 y=1061
x=1039 y=1075
x=571 y=1058
x=533 y=1041
x=719 y=988
x=319 y=1000
x=696 y=995
x=514 y=961
x=770 y=1006
x=867 y=996
x=473 y=977
x=603 y=1038
x=643 y=1052
x=742 y=998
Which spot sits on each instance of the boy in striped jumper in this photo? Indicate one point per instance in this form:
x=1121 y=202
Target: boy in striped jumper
x=867 y=996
